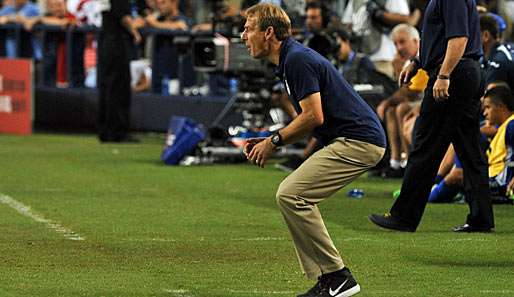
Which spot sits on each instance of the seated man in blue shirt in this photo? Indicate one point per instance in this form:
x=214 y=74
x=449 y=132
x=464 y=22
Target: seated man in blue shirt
x=347 y=58
x=328 y=108
x=498 y=56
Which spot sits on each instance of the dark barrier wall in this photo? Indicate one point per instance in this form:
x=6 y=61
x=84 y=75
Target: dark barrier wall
x=76 y=109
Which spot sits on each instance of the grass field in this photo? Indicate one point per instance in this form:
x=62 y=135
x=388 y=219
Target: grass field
x=155 y=230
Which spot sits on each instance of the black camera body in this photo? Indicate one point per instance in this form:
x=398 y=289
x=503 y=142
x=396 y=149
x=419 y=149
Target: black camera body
x=221 y=54
x=325 y=43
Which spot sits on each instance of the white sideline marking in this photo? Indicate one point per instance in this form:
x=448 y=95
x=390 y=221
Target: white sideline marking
x=26 y=211
x=187 y=293
x=468 y=239
x=260 y=293
x=151 y=239
x=180 y=292
x=260 y=239
x=497 y=291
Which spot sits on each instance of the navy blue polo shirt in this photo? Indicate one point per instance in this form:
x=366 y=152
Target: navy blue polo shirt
x=446 y=19
x=500 y=65
x=346 y=114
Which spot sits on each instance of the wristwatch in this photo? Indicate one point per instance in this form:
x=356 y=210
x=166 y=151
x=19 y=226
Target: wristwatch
x=442 y=76
x=276 y=139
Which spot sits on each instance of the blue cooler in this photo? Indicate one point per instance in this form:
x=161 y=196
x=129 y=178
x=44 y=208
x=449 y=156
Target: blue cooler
x=183 y=135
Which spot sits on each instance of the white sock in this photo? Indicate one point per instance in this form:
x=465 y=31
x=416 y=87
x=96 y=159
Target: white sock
x=395 y=164
x=403 y=163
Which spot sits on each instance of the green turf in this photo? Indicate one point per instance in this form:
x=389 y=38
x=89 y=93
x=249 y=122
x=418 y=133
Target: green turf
x=155 y=230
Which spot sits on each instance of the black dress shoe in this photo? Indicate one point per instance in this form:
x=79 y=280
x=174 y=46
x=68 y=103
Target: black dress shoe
x=467 y=228
x=387 y=221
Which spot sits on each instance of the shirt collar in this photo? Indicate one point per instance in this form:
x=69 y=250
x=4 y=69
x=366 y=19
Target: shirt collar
x=284 y=48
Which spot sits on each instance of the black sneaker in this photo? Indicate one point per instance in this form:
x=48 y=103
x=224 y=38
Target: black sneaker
x=336 y=284
x=387 y=221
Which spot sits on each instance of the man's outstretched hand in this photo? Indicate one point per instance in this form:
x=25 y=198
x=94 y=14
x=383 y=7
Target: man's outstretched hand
x=258 y=150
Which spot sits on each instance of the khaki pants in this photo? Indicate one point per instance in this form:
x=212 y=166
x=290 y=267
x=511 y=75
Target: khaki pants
x=321 y=175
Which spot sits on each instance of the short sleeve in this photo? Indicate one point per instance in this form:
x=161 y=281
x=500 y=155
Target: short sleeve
x=301 y=75
x=455 y=18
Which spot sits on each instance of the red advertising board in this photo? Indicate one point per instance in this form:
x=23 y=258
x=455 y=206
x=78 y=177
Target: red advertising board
x=16 y=96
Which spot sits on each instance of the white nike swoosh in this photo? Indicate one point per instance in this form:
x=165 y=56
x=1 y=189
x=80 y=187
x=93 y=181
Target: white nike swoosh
x=333 y=293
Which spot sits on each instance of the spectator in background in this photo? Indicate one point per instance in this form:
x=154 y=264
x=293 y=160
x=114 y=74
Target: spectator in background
x=315 y=35
x=56 y=15
x=498 y=107
x=367 y=16
x=90 y=61
x=509 y=14
x=229 y=18
x=498 y=56
x=150 y=8
x=393 y=109
x=316 y=17
x=18 y=12
x=116 y=36
x=87 y=12
x=347 y=58
x=168 y=62
x=169 y=16
x=405 y=38
x=141 y=75
x=420 y=6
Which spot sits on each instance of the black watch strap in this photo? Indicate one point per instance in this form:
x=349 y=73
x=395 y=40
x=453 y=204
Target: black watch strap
x=276 y=139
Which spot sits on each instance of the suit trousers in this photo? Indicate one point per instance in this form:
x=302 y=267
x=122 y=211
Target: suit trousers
x=321 y=175
x=114 y=87
x=454 y=120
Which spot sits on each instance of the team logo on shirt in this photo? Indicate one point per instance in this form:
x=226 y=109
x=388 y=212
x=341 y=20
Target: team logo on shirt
x=287 y=87
x=494 y=64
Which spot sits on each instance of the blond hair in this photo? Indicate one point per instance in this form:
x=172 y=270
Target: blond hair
x=269 y=15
